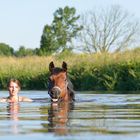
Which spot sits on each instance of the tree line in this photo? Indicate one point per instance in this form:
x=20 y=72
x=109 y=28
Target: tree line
x=102 y=30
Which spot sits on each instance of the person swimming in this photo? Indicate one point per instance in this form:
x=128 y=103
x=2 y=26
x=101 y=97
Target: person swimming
x=14 y=87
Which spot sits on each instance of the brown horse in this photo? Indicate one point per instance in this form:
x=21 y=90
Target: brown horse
x=60 y=87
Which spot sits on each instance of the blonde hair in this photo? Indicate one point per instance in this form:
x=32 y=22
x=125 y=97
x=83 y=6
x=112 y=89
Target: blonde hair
x=15 y=81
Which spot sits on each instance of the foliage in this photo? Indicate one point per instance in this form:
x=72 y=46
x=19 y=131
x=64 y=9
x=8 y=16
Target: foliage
x=24 y=52
x=48 y=41
x=116 y=71
x=6 y=50
x=62 y=30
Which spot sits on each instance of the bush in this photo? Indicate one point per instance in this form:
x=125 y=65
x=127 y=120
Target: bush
x=87 y=72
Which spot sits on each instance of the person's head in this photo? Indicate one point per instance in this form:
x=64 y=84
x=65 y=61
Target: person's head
x=13 y=87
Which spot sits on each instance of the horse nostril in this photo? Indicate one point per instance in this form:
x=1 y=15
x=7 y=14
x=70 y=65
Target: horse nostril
x=55 y=92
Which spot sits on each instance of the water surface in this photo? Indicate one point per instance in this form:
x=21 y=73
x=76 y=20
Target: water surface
x=92 y=116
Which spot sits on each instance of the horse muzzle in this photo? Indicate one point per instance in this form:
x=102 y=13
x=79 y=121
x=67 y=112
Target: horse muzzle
x=55 y=93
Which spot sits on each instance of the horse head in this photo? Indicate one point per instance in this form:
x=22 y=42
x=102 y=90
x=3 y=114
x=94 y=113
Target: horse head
x=59 y=86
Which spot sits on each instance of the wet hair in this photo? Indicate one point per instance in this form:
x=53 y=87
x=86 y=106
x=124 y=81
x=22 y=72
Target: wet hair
x=15 y=81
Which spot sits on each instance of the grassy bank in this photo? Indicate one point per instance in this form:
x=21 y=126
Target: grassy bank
x=88 y=72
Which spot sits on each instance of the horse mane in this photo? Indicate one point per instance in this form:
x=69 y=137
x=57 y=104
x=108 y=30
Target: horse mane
x=70 y=89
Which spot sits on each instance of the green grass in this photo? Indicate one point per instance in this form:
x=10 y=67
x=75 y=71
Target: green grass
x=118 y=71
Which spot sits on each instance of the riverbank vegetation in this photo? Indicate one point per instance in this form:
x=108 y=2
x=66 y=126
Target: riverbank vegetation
x=108 y=71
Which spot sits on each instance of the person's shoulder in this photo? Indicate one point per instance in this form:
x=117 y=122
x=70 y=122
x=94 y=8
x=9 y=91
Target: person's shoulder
x=25 y=99
x=4 y=99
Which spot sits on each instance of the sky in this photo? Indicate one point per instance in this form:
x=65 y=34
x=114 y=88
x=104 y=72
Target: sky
x=22 y=21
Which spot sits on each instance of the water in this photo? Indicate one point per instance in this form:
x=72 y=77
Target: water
x=93 y=116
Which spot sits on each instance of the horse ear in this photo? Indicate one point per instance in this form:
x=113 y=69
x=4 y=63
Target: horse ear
x=51 y=66
x=64 y=66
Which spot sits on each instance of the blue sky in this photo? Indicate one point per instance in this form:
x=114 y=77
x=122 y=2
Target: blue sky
x=22 y=21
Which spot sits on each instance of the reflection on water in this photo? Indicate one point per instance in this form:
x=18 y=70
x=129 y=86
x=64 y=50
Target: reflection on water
x=13 y=110
x=57 y=117
x=91 y=116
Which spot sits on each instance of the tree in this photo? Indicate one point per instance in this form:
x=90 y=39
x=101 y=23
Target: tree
x=60 y=33
x=112 y=29
x=6 y=50
x=24 y=52
x=48 y=42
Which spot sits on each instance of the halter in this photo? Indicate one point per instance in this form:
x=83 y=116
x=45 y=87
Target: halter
x=60 y=89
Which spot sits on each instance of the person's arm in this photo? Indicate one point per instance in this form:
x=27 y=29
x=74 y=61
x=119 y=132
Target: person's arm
x=25 y=99
x=3 y=99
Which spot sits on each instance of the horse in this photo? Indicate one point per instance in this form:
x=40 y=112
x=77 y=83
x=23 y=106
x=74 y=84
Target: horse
x=60 y=88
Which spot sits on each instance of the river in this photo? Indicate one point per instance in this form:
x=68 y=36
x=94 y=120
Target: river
x=93 y=116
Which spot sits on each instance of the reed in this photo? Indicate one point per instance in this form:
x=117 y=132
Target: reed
x=118 y=71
